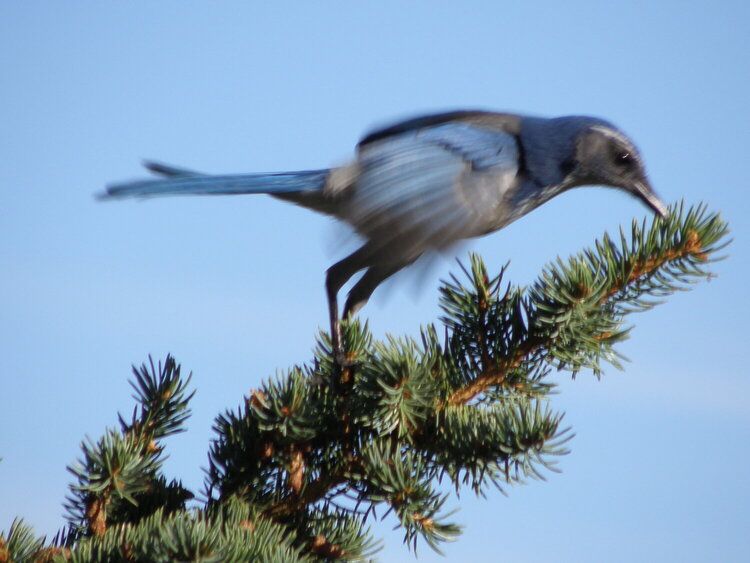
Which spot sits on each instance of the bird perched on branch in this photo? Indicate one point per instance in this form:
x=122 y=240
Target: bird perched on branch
x=425 y=183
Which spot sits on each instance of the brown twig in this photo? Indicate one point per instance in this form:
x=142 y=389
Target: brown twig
x=96 y=515
x=315 y=491
x=322 y=546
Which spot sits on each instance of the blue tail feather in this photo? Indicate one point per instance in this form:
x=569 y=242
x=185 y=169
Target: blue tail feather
x=185 y=182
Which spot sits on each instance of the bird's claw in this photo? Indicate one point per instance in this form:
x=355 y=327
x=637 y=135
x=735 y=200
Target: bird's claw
x=343 y=361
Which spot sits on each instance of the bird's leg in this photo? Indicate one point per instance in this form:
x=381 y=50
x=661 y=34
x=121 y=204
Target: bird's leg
x=336 y=277
x=333 y=313
x=362 y=290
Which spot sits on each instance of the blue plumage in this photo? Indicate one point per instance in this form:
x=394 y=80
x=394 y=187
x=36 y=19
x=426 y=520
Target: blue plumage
x=428 y=182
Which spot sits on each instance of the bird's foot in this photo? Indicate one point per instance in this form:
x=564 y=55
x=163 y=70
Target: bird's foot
x=342 y=376
x=344 y=360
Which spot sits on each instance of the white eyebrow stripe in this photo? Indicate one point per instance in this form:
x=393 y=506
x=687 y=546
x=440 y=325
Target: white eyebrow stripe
x=614 y=134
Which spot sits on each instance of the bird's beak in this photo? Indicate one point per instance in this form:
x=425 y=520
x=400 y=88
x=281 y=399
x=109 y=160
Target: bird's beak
x=645 y=192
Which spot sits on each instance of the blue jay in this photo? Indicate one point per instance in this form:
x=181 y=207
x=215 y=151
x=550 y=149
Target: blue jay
x=425 y=183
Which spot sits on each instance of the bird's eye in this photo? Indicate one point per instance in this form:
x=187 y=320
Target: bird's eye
x=624 y=158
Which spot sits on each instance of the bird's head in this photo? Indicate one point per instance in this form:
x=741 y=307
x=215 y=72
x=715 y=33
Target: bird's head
x=605 y=156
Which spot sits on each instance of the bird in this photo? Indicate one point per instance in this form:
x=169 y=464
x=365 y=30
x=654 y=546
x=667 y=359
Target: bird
x=427 y=182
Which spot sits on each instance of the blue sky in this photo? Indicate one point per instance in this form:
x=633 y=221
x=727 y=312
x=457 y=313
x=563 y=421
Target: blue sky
x=234 y=287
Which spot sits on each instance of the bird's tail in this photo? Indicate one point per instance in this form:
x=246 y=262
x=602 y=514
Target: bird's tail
x=180 y=181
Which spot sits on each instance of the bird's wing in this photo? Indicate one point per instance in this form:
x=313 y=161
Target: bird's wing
x=430 y=187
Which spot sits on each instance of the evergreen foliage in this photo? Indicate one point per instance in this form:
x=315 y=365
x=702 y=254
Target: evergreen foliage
x=297 y=470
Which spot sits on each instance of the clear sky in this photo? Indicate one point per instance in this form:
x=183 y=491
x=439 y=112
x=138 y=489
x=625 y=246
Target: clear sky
x=234 y=287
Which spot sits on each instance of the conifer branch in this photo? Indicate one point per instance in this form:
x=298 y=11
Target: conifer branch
x=297 y=470
x=604 y=285
x=118 y=476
